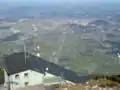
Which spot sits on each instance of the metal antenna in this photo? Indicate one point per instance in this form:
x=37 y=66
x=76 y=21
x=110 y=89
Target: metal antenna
x=25 y=51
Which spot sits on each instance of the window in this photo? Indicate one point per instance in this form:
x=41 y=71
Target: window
x=26 y=83
x=26 y=75
x=17 y=76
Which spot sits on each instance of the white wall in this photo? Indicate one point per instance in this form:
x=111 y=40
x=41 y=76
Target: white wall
x=33 y=78
x=5 y=78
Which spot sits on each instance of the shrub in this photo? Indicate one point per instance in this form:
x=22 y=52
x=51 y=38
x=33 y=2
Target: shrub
x=1 y=76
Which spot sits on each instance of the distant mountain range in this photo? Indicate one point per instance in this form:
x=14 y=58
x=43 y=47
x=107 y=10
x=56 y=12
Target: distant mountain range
x=60 y=11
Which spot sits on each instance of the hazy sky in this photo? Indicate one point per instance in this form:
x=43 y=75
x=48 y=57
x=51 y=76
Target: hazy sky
x=59 y=0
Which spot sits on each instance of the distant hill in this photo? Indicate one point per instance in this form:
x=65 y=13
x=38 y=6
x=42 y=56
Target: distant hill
x=4 y=27
x=13 y=37
x=99 y=22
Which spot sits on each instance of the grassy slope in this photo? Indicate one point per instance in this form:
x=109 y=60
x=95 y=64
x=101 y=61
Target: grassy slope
x=71 y=49
x=5 y=47
x=78 y=63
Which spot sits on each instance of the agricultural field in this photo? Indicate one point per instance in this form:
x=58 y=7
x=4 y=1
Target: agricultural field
x=69 y=43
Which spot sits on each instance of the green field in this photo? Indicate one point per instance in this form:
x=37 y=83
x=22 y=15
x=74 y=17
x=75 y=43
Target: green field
x=5 y=47
x=4 y=27
x=98 y=63
x=79 y=54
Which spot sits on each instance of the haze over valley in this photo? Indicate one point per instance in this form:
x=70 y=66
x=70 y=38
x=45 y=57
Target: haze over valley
x=82 y=37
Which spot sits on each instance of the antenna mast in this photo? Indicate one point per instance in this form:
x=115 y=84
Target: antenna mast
x=25 y=51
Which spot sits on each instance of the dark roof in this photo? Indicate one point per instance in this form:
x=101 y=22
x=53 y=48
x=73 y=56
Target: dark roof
x=16 y=63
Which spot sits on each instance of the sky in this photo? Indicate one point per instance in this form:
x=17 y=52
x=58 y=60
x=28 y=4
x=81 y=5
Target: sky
x=59 y=0
x=56 y=1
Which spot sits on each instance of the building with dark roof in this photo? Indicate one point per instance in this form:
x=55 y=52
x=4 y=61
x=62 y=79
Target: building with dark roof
x=26 y=69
